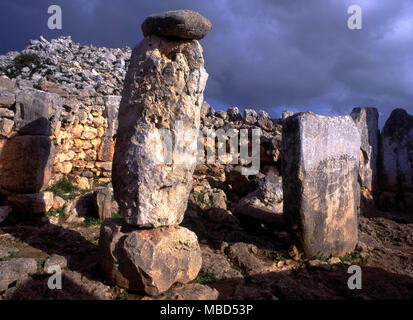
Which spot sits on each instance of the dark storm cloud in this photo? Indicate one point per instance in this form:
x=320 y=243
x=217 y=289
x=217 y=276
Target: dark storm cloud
x=264 y=53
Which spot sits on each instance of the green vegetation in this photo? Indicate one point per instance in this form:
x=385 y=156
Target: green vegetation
x=235 y=267
x=91 y=221
x=64 y=189
x=40 y=264
x=13 y=255
x=116 y=215
x=277 y=257
x=20 y=62
x=204 y=278
x=168 y=295
x=59 y=213
x=322 y=258
x=354 y=258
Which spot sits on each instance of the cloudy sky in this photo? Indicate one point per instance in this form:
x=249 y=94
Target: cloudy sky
x=266 y=54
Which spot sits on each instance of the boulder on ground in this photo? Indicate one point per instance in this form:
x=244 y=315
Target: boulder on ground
x=320 y=188
x=151 y=260
x=15 y=269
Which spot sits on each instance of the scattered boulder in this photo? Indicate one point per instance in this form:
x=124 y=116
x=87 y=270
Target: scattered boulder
x=320 y=189
x=15 y=269
x=148 y=259
x=163 y=90
x=183 y=24
x=54 y=260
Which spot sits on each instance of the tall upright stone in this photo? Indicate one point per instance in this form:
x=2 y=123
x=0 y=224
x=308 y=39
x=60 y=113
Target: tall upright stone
x=321 y=193
x=396 y=158
x=161 y=103
x=164 y=86
x=366 y=120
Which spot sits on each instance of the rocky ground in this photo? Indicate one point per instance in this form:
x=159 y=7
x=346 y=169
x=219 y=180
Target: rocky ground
x=242 y=259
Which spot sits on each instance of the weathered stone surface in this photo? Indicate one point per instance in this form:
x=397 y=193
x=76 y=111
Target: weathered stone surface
x=150 y=260
x=366 y=120
x=196 y=291
x=397 y=153
x=15 y=269
x=6 y=127
x=102 y=198
x=184 y=24
x=319 y=171
x=250 y=116
x=31 y=203
x=53 y=261
x=32 y=104
x=163 y=89
x=26 y=163
x=6 y=83
x=286 y=114
x=40 y=126
x=4 y=213
x=7 y=98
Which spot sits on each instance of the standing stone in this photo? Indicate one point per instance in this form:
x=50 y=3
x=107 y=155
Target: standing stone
x=366 y=120
x=32 y=104
x=397 y=153
x=102 y=199
x=321 y=193
x=26 y=163
x=148 y=259
x=164 y=86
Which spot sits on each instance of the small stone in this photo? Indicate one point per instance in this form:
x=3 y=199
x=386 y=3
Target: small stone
x=58 y=202
x=250 y=116
x=287 y=114
x=54 y=260
x=234 y=114
x=184 y=24
x=196 y=291
x=334 y=260
x=6 y=127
